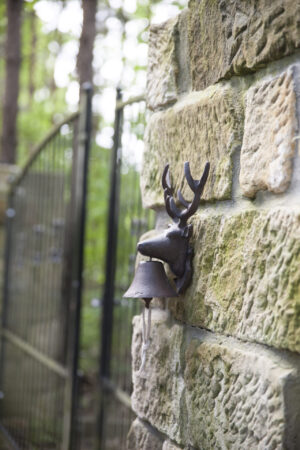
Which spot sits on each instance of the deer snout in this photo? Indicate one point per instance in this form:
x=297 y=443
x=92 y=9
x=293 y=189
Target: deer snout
x=157 y=247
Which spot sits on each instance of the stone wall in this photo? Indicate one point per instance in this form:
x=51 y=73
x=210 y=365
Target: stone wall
x=223 y=367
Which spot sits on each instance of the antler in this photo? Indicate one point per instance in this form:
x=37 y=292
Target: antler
x=196 y=186
x=168 y=192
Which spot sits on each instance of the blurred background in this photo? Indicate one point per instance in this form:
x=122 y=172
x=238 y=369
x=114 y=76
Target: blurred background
x=48 y=50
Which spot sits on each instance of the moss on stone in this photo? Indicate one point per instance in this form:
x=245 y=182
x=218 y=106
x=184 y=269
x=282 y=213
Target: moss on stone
x=246 y=277
x=204 y=127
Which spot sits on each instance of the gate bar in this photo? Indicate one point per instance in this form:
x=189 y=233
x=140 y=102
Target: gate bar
x=8 y=438
x=121 y=104
x=110 y=264
x=111 y=245
x=34 y=353
x=10 y=214
x=118 y=393
x=37 y=150
x=76 y=261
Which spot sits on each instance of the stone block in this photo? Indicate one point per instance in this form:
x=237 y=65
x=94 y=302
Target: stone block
x=162 y=65
x=142 y=437
x=163 y=379
x=169 y=72
x=246 y=279
x=204 y=126
x=208 y=391
x=270 y=128
x=182 y=53
x=236 y=37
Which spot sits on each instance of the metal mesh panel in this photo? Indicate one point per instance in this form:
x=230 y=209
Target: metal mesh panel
x=35 y=321
x=42 y=289
x=34 y=409
x=40 y=202
x=117 y=421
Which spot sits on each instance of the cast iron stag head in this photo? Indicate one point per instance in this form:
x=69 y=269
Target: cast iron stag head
x=173 y=246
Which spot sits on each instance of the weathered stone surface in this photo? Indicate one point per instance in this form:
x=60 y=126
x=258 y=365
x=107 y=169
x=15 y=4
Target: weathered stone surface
x=235 y=37
x=270 y=128
x=168 y=445
x=169 y=71
x=162 y=379
x=182 y=53
x=246 y=390
x=209 y=391
x=205 y=126
x=246 y=277
x=142 y=437
x=162 y=65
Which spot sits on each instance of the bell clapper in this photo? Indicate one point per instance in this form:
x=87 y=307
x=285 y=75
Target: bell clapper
x=145 y=334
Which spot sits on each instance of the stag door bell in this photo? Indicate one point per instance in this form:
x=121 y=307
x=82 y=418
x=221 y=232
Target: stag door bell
x=172 y=247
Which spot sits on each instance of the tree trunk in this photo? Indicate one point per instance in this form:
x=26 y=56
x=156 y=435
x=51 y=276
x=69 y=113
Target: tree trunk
x=13 y=62
x=32 y=56
x=87 y=38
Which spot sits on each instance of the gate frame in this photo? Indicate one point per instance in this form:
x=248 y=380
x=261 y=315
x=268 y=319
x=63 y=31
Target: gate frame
x=73 y=267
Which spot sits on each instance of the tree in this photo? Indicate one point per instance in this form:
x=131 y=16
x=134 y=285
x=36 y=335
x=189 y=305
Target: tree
x=32 y=56
x=87 y=38
x=12 y=64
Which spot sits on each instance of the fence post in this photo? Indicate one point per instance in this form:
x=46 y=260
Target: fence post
x=10 y=214
x=78 y=215
x=111 y=249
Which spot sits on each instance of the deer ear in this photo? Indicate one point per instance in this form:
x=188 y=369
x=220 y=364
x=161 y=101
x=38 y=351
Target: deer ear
x=187 y=231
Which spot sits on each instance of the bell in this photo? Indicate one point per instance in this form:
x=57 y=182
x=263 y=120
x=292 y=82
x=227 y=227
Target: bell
x=150 y=281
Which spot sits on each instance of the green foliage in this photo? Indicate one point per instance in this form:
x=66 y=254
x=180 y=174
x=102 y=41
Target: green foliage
x=98 y=189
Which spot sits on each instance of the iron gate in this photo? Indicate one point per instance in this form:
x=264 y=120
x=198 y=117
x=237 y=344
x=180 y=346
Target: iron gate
x=126 y=222
x=42 y=289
